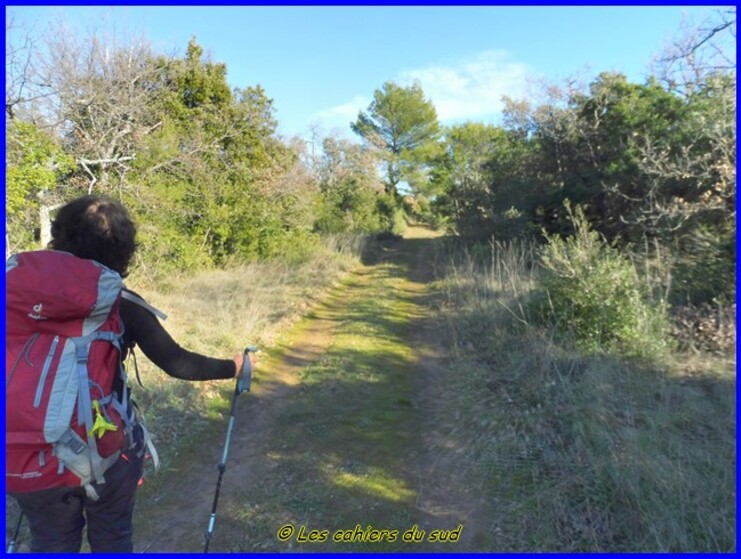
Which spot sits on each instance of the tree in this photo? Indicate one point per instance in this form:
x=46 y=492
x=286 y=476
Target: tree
x=461 y=179
x=19 y=54
x=99 y=97
x=402 y=125
x=197 y=162
x=585 y=144
x=700 y=66
x=228 y=185
x=350 y=188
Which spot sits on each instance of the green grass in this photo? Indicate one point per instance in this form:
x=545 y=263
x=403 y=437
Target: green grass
x=348 y=435
x=217 y=313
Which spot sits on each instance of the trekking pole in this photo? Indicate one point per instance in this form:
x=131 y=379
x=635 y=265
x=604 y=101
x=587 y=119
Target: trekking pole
x=11 y=547
x=243 y=385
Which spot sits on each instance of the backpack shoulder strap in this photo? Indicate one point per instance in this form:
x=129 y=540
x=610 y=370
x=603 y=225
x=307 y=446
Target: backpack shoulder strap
x=129 y=296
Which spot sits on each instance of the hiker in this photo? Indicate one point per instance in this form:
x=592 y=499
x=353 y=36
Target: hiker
x=98 y=228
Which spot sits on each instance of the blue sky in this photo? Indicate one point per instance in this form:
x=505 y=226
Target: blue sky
x=321 y=65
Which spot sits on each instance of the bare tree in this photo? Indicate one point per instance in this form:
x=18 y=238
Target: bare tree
x=707 y=158
x=699 y=52
x=699 y=65
x=101 y=99
x=93 y=93
x=24 y=87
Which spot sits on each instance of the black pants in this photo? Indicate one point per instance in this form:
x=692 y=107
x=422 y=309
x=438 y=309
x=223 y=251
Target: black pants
x=56 y=515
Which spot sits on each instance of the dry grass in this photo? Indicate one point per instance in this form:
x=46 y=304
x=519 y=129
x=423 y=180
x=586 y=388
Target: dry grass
x=492 y=288
x=587 y=454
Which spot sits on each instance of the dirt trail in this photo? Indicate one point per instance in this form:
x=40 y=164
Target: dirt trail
x=175 y=519
x=445 y=495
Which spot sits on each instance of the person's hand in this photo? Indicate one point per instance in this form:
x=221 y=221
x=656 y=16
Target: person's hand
x=239 y=362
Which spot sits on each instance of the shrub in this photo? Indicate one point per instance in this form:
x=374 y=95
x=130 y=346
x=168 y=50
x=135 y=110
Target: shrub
x=592 y=293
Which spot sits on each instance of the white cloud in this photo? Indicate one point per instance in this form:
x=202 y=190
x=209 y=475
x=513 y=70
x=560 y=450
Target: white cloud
x=472 y=89
x=468 y=89
x=341 y=116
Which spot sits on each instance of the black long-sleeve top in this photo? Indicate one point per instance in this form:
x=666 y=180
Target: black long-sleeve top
x=143 y=329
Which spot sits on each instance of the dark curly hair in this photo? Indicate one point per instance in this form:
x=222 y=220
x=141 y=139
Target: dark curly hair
x=98 y=228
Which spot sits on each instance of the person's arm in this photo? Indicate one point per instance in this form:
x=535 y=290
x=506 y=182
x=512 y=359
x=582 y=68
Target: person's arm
x=144 y=329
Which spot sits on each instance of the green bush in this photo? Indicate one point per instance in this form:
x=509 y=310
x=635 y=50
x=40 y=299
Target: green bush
x=593 y=294
x=348 y=207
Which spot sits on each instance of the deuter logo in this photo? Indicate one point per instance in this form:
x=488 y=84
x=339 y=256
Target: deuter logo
x=36 y=314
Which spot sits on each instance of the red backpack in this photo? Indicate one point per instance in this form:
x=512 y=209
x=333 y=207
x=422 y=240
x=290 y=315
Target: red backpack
x=64 y=424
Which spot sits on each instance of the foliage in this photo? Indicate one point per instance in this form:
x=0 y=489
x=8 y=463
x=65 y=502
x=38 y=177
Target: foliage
x=402 y=125
x=645 y=163
x=35 y=163
x=202 y=168
x=198 y=163
x=575 y=452
x=392 y=215
x=705 y=267
x=479 y=177
x=593 y=293
x=228 y=165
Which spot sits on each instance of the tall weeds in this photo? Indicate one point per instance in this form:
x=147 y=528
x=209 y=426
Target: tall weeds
x=493 y=283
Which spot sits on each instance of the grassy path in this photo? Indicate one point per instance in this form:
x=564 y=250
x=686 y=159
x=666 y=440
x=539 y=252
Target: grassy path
x=337 y=441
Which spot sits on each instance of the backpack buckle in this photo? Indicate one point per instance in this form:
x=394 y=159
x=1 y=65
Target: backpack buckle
x=82 y=351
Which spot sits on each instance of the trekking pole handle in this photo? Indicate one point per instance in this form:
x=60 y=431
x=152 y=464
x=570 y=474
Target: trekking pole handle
x=245 y=378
